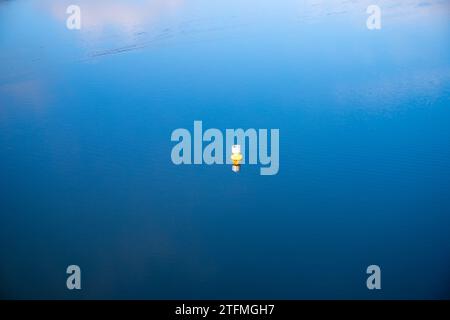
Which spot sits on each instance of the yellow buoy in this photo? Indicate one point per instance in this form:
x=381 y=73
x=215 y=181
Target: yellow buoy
x=236 y=157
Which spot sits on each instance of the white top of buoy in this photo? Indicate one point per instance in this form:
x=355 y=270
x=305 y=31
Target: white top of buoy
x=236 y=148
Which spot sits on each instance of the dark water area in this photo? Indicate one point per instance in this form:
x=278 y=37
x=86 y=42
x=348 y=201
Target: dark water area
x=86 y=175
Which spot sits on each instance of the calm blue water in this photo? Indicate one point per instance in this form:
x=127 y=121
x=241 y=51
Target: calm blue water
x=86 y=176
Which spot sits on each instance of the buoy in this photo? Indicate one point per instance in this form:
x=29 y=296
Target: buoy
x=236 y=157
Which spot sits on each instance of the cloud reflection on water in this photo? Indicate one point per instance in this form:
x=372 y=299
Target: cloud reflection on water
x=125 y=16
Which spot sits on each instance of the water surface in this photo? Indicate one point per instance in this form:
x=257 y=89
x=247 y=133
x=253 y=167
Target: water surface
x=86 y=176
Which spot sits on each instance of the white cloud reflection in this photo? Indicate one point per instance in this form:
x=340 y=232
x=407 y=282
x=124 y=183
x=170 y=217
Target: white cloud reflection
x=123 y=15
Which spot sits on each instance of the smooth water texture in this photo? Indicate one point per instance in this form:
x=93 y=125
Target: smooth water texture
x=86 y=176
